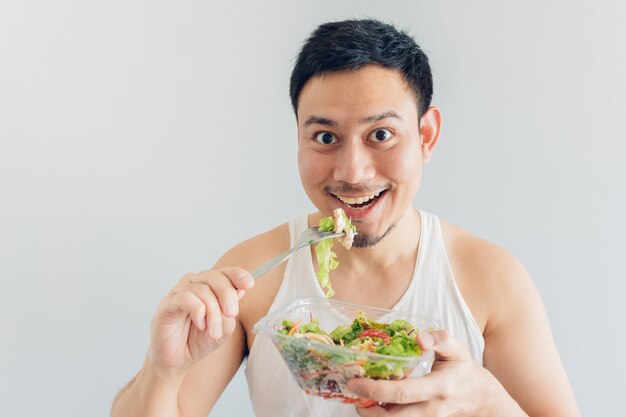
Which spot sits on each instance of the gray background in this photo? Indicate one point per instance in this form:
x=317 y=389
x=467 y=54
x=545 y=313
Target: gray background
x=142 y=139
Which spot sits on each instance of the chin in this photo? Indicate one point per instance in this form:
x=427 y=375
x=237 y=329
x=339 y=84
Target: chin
x=369 y=240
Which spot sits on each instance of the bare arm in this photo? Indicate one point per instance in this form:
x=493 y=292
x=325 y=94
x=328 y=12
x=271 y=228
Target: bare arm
x=187 y=367
x=192 y=394
x=519 y=348
x=194 y=331
x=522 y=373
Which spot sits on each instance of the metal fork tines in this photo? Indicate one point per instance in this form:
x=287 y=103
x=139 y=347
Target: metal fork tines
x=310 y=236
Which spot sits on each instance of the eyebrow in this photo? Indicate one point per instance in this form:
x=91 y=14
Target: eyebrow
x=370 y=119
x=320 y=121
x=381 y=116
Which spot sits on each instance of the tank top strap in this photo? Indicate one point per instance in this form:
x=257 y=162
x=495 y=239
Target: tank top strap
x=299 y=278
x=298 y=225
x=434 y=290
x=431 y=233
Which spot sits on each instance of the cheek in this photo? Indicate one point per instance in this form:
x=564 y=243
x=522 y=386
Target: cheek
x=404 y=168
x=309 y=166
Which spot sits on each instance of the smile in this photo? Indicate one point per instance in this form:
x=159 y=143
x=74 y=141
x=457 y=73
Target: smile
x=360 y=202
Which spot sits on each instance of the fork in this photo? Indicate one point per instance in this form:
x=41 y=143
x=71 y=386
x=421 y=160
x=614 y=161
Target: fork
x=308 y=237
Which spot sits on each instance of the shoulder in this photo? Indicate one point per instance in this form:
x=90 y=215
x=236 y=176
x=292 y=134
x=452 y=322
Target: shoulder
x=478 y=255
x=489 y=277
x=519 y=347
x=249 y=253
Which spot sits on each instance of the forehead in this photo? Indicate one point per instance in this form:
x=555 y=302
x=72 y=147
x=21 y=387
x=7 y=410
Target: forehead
x=356 y=94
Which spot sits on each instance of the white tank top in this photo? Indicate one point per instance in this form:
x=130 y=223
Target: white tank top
x=432 y=292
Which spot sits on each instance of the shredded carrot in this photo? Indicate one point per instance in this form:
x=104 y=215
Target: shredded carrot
x=357 y=363
x=294 y=328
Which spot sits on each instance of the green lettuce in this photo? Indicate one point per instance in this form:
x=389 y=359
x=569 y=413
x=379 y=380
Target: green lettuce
x=397 y=325
x=327 y=224
x=363 y=323
x=312 y=327
x=343 y=332
x=383 y=369
x=400 y=345
x=327 y=261
x=326 y=258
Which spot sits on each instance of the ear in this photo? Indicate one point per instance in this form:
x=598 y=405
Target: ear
x=430 y=127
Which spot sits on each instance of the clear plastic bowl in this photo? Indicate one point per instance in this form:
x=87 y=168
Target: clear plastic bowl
x=324 y=370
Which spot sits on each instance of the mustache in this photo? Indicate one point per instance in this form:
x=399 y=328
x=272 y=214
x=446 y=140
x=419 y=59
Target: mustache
x=356 y=188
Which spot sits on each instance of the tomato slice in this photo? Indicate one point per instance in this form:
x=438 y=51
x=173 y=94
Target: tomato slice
x=375 y=333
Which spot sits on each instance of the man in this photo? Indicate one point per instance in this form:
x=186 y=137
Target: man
x=361 y=92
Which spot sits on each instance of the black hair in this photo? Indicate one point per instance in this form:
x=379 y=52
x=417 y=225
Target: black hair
x=353 y=44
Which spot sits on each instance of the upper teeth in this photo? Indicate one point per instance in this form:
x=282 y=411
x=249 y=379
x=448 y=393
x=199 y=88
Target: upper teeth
x=357 y=200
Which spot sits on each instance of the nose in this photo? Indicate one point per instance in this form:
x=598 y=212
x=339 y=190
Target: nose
x=354 y=163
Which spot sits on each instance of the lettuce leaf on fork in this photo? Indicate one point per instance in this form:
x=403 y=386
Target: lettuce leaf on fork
x=327 y=261
x=326 y=258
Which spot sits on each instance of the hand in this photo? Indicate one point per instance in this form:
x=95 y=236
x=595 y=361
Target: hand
x=457 y=386
x=195 y=317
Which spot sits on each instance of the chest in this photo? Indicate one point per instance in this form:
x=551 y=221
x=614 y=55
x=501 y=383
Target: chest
x=372 y=289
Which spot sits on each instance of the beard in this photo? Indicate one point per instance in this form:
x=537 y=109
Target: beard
x=366 y=240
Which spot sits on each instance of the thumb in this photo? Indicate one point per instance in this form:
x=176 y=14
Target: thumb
x=446 y=346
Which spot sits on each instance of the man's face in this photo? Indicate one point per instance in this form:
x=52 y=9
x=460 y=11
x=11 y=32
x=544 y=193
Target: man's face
x=360 y=147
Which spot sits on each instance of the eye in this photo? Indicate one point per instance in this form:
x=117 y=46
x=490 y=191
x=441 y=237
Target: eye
x=380 y=135
x=325 y=138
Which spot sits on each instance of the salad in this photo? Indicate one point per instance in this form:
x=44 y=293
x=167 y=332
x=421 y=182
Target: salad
x=323 y=362
x=326 y=258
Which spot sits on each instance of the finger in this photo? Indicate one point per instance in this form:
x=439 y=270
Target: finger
x=446 y=346
x=185 y=280
x=239 y=277
x=213 y=312
x=395 y=410
x=226 y=295
x=185 y=304
x=373 y=411
x=406 y=391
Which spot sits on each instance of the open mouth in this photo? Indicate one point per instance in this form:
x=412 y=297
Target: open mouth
x=360 y=202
